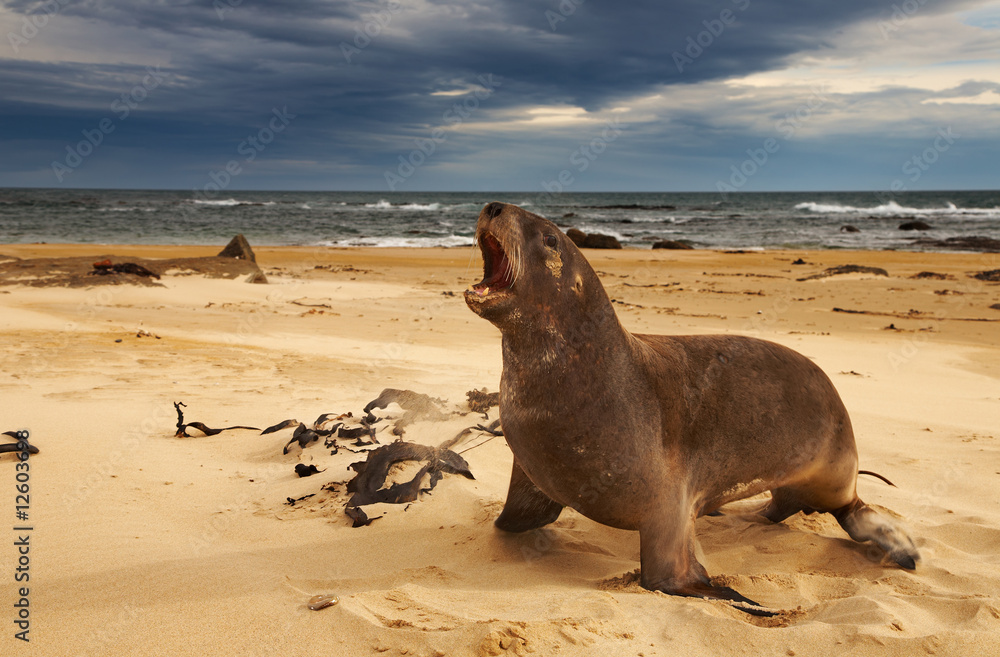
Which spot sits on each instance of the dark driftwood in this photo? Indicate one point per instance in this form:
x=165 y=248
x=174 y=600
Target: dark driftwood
x=310 y=305
x=846 y=269
x=104 y=267
x=913 y=314
x=992 y=275
x=367 y=485
x=182 y=427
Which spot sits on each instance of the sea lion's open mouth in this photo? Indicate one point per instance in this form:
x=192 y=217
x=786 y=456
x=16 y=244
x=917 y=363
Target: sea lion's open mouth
x=498 y=271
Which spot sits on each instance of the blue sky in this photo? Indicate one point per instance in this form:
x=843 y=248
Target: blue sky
x=497 y=95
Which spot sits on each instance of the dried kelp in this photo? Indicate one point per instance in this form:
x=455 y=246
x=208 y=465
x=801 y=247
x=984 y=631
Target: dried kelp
x=284 y=424
x=416 y=406
x=368 y=485
x=18 y=446
x=303 y=470
x=481 y=401
x=359 y=517
x=303 y=436
x=182 y=426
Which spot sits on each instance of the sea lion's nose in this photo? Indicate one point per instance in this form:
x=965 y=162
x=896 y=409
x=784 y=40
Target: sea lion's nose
x=493 y=209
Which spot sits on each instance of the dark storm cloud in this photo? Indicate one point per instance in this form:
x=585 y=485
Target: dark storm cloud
x=587 y=54
x=359 y=76
x=595 y=53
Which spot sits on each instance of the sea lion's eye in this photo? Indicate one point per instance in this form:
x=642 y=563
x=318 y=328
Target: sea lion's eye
x=551 y=241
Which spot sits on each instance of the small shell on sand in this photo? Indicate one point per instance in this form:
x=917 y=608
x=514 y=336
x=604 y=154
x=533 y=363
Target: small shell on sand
x=318 y=602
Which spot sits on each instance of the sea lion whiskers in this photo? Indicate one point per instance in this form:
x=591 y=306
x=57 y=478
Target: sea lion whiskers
x=513 y=262
x=472 y=252
x=508 y=272
x=512 y=247
x=518 y=263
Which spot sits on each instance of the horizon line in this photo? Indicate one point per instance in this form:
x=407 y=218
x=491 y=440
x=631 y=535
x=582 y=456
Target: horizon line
x=514 y=191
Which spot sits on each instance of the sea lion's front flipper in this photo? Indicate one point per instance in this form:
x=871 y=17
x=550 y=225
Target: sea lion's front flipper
x=706 y=590
x=667 y=558
x=526 y=507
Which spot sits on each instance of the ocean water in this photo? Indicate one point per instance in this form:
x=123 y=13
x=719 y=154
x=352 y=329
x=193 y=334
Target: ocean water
x=422 y=219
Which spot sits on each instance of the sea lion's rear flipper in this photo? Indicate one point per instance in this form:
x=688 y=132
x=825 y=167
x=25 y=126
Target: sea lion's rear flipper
x=865 y=524
x=526 y=507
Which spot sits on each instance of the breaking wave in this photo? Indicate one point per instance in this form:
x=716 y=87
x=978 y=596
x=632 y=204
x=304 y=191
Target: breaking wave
x=893 y=209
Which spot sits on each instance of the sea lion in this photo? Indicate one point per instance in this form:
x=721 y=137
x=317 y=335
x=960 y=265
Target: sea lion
x=648 y=432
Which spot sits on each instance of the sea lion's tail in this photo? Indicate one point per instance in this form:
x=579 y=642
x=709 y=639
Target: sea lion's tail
x=875 y=474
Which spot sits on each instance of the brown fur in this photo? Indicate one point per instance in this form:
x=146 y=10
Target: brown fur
x=648 y=432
